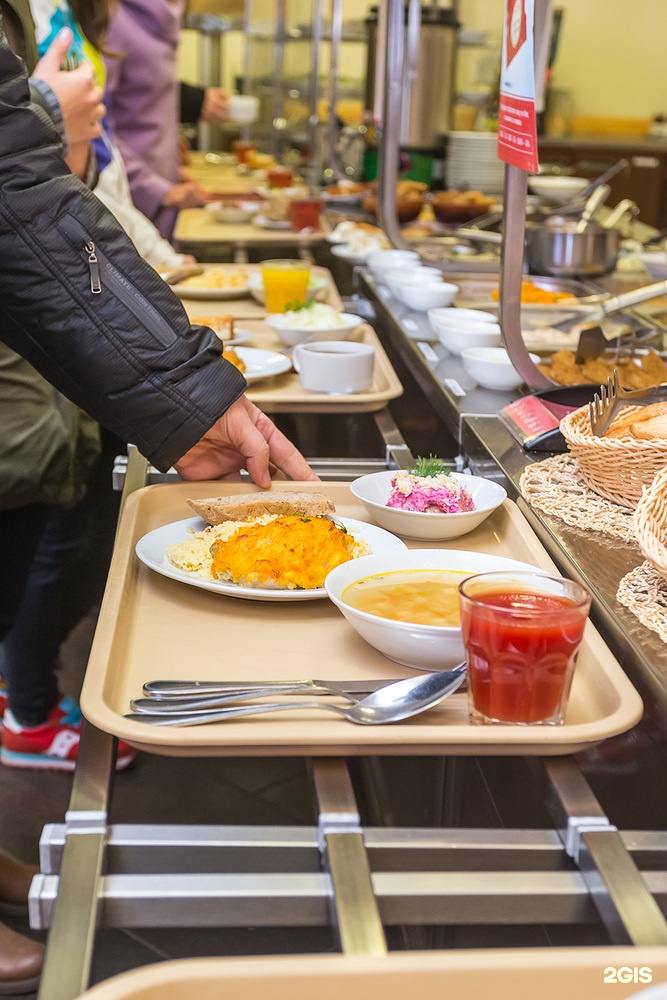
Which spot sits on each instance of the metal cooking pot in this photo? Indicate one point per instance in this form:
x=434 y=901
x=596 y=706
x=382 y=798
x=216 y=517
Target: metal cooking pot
x=555 y=247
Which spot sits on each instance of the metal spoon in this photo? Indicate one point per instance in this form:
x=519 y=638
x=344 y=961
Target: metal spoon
x=390 y=704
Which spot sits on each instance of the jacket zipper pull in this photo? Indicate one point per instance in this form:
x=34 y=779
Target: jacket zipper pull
x=93 y=264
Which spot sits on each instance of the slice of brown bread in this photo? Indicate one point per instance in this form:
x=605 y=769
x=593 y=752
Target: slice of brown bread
x=654 y=429
x=624 y=427
x=215 y=510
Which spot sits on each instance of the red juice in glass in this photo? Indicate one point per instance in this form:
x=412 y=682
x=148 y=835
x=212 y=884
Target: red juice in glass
x=521 y=633
x=304 y=213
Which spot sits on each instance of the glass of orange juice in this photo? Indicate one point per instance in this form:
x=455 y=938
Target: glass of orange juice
x=285 y=283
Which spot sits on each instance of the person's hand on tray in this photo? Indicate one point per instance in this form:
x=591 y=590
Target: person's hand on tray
x=245 y=438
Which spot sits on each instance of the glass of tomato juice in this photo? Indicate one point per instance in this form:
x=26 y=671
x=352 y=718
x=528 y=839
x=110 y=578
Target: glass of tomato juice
x=521 y=633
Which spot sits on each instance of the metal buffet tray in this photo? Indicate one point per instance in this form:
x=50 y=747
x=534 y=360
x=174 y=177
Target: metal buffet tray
x=150 y=626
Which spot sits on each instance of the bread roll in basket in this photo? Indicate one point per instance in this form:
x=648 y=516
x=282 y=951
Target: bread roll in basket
x=617 y=468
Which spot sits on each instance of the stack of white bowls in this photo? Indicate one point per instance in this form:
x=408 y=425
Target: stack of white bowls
x=459 y=329
x=472 y=162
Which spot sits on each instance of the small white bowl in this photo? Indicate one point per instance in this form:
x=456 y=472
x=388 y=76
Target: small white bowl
x=399 y=278
x=425 y=295
x=373 y=491
x=423 y=647
x=491 y=367
x=557 y=188
x=655 y=263
x=291 y=335
x=451 y=316
x=382 y=261
x=458 y=339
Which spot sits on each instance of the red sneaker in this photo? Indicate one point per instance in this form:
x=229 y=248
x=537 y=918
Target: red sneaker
x=54 y=745
x=3 y=699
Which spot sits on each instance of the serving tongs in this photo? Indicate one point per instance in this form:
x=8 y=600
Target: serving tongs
x=613 y=397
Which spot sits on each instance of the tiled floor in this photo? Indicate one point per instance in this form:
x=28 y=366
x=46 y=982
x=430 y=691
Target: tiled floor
x=497 y=792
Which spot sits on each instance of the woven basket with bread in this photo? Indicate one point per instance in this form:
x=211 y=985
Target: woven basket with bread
x=625 y=461
x=650 y=523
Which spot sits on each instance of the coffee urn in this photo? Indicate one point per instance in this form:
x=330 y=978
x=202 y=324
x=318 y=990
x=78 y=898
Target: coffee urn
x=432 y=87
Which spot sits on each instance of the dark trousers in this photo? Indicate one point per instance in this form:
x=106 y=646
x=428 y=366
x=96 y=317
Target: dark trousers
x=20 y=531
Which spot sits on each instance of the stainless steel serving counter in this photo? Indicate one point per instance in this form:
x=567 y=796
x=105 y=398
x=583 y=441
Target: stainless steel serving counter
x=470 y=412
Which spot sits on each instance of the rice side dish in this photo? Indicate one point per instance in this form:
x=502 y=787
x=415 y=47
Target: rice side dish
x=440 y=494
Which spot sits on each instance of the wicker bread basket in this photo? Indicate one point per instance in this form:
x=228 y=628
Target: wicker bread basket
x=650 y=523
x=616 y=468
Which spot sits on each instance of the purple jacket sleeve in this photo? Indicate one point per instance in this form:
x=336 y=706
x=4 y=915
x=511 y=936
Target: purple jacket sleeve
x=125 y=353
x=148 y=187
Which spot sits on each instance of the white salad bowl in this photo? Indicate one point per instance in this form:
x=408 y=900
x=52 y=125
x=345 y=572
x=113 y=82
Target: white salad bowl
x=459 y=338
x=425 y=295
x=373 y=491
x=491 y=367
x=423 y=647
x=292 y=335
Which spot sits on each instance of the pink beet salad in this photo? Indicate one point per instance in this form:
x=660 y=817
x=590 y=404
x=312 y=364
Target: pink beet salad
x=440 y=494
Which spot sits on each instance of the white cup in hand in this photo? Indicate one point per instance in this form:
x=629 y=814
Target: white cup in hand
x=242 y=108
x=334 y=366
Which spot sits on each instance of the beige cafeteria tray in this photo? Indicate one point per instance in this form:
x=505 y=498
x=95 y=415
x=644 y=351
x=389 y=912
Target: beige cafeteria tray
x=507 y=974
x=151 y=627
x=199 y=226
x=284 y=393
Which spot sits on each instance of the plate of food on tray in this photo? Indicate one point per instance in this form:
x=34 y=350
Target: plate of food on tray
x=262 y=222
x=345 y=190
x=225 y=328
x=256 y=364
x=264 y=546
x=214 y=283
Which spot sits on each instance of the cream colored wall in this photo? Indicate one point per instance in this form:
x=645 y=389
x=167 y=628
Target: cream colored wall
x=612 y=57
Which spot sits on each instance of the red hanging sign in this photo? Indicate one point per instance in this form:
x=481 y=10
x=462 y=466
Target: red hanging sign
x=517 y=126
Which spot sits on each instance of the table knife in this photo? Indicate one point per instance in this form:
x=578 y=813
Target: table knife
x=173 y=690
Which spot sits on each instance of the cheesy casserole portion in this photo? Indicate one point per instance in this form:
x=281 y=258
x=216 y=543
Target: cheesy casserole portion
x=283 y=552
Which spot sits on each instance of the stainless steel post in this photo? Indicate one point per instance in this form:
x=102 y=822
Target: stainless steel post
x=70 y=942
x=353 y=903
x=388 y=147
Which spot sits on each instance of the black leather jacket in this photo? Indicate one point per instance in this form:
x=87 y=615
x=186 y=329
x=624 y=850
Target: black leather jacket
x=79 y=303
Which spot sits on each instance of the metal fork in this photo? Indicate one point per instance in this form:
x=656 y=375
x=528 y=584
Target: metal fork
x=613 y=397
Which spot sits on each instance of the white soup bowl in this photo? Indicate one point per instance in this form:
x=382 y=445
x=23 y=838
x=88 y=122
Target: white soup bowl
x=423 y=647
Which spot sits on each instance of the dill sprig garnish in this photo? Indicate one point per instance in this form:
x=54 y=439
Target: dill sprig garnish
x=430 y=466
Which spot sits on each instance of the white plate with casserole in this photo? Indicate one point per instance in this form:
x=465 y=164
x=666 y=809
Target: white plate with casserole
x=151 y=550
x=261 y=364
x=201 y=291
